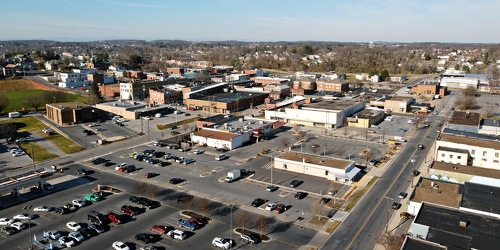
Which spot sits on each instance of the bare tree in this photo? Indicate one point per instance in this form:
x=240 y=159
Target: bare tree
x=469 y=91
x=34 y=101
x=489 y=109
x=296 y=128
x=345 y=131
x=302 y=135
x=204 y=206
x=316 y=207
x=369 y=154
x=243 y=219
x=140 y=187
x=390 y=242
x=285 y=141
x=185 y=127
x=4 y=102
x=262 y=222
x=188 y=202
x=365 y=131
x=466 y=102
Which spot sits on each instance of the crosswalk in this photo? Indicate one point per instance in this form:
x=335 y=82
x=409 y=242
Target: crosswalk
x=267 y=165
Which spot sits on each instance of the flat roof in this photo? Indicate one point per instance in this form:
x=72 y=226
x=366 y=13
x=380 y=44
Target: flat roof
x=124 y=104
x=465 y=118
x=442 y=193
x=339 y=104
x=462 y=139
x=412 y=243
x=444 y=223
x=481 y=197
x=316 y=160
x=471 y=134
x=470 y=170
x=68 y=105
x=229 y=97
x=217 y=119
x=399 y=99
x=367 y=113
x=214 y=134
x=455 y=150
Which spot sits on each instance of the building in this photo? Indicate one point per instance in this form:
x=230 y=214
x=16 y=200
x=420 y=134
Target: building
x=465 y=148
x=330 y=168
x=232 y=132
x=428 y=88
x=398 y=79
x=460 y=173
x=76 y=79
x=277 y=92
x=335 y=85
x=166 y=94
x=139 y=90
x=323 y=113
x=110 y=90
x=132 y=110
x=365 y=118
x=398 y=104
x=489 y=126
x=69 y=113
x=304 y=83
x=213 y=120
x=226 y=102
x=269 y=80
x=465 y=121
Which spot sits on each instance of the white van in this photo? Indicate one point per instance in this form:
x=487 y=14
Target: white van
x=158 y=115
x=374 y=126
x=389 y=118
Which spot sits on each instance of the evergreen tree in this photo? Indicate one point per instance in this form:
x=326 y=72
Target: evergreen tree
x=95 y=95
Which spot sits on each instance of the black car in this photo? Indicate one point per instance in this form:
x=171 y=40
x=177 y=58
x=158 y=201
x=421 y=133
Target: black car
x=163 y=163
x=144 y=202
x=258 y=202
x=174 y=127
x=108 y=163
x=82 y=171
x=147 y=238
x=176 y=180
x=159 y=154
x=294 y=183
x=98 y=161
x=396 y=205
x=300 y=195
x=174 y=133
x=35 y=190
x=61 y=210
x=8 y=230
x=140 y=157
x=88 y=233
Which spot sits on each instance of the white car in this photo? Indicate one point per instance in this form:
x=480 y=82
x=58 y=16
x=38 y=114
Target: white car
x=118 y=245
x=6 y=221
x=66 y=241
x=53 y=234
x=79 y=203
x=271 y=206
x=121 y=165
x=198 y=151
x=23 y=216
x=18 y=153
x=76 y=236
x=220 y=157
x=177 y=234
x=222 y=243
x=73 y=226
x=22 y=139
x=93 y=125
x=18 y=225
x=43 y=209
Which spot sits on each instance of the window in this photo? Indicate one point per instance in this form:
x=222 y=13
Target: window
x=495 y=161
x=451 y=156
x=484 y=153
x=326 y=172
x=473 y=152
x=442 y=155
x=483 y=159
x=496 y=154
x=284 y=166
x=459 y=157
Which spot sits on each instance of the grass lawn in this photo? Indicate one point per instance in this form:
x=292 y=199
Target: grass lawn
x=16 y=99
x=32 y=125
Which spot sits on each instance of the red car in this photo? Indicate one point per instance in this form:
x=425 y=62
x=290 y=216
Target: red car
x=280 y=208
x=150 y=175
x=130 y=210
x=160 y=229
x=115 y=218
x=198 y=221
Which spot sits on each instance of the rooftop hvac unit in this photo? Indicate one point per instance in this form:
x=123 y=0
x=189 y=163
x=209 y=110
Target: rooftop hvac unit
x=261 y=122
x=241 y=119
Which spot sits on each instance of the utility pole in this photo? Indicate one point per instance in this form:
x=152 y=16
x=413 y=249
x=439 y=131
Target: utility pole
x=142 y=131
x=387 y=216
x=149 y=138
x=231 y=224
x=32 y=156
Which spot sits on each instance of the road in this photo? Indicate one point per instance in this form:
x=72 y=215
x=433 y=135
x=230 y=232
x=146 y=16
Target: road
x=367 y=221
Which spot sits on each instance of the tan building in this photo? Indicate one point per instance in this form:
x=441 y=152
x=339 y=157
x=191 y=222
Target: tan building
x=429 y=88
x=68 y=113
x=178 y=71
x=326 y=167
x=335 y=85
x=269 y=80
x=224 y=103
x=398 y=104
x=164 y=95
x=110 y=90
x=365 y=118
x=304 y=83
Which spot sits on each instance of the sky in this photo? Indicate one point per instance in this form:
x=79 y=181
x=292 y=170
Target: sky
x=464 y=21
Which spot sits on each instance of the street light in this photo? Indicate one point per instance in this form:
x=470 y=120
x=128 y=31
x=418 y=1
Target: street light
x=251 y=104
x=231 y=224
x=31 y=236
x=32 y=156
x=387 y=216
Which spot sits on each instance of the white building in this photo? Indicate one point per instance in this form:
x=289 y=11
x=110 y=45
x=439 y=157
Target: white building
x=325 y=113
x=468 y=150
x=330 y=168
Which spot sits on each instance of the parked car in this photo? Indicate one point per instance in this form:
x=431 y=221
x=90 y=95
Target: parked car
x=177 y=234
x=43 y=209
x=118 y=245
x=66 y=241
x=280 y=208
x=258 y=202
x=249 y=238
x=23 y=216
x=76 y=236
x=222 y=243
x=79 y=203
x=88 y=233
x=114 y=217
x=176 y=180
x=8 y=230
x=130 y=210
x=160 y=229
x=146 y=238
x=52 y=234
x=272 y=188
x=61 y=210
x=198 y=151
x=174 y=132
x=73 y=226
x=300 y=195
x=402 y=195
x=97 y=228
x=197 y=220
x=220 y=157
x=82 y=171
x=187 y=224
x=150 y=175
x=396 y=205
x=294 y=183
x=6 y=221
x=271 y=206
x=18 y=225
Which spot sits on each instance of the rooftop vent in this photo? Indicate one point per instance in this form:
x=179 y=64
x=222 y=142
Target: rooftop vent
x=464 y=223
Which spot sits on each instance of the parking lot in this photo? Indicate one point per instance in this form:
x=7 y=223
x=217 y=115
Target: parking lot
x=70 y=186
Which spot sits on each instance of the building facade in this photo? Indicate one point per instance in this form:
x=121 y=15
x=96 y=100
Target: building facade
x=334 y=85
x=69 y=113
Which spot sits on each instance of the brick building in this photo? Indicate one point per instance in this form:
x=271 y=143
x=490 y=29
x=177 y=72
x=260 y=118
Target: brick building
x=335 y=85
x=68 y=113
x=304 y=83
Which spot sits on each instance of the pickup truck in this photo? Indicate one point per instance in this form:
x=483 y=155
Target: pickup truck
x=187 y=224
